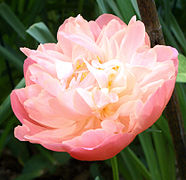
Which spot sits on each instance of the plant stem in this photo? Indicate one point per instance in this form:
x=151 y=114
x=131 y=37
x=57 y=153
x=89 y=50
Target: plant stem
x=114 y=168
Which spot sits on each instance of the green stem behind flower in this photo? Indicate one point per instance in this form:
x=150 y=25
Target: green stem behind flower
x=114 y=168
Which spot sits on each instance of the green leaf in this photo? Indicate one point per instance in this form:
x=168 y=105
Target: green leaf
x=62 y=158
x=165 y=153
x=94 y=170
x=137 y=163
x=177 y=32
x=102 y=6
x=114 y=7
x=18 y=149
x=126 y=9
x=11 y=57
x=181 y=92
x=97 y=178
x=40 y=32
x=8 y=15
x=5 y=133
x=135 y=166
x=47 y=154
x=135 y=6
x=5 y=106
x=123 y=170
x=168 y=35
x=35 y=167
x=181 y=77
x=150 y=155
x=129 y=166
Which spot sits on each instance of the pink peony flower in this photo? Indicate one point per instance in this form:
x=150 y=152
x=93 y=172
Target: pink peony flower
x=96 y=89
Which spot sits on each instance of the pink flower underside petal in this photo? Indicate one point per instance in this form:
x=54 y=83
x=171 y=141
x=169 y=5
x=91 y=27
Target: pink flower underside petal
x=134 y=38
x=53 y=112
x=111 y=29
x=147 y=40
x=167 y=53
x=112 y=126
x=49 y=47
x=146 y=58
x=104 y=19
x=82 y=40
x=77 y=27
x=95 y=29
x=27 y=63
x=18 y=96
x=46 y=57
x=100 y=75
x=146 y=114
x=158 y=73
x=81 y=104
x=97 y=145
x=45 y=80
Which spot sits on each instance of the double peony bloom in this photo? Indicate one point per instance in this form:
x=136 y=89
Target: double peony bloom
x=95 y=90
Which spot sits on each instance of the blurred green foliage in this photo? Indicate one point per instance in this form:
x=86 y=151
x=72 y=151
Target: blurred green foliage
x=27 y=23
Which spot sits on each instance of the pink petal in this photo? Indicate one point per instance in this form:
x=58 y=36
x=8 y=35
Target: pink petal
x=104 y=19
x=95 y=29
x=97 y=145
x=52 y=112
x=134 y=38
x=146 y=58
x=146 y=114
x=18 y=97
x=167 y=53
x=45 y=80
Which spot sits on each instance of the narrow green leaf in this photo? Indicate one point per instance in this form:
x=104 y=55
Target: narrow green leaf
x=47 y=154
x=150 y=155
x=41 y=33
x=135 y=6
x=61 y=158
x=177 y=32
x=181 y=92
x=131 y=167
x=126 y=9
x=168 y=35
x=165 y=153
x=5 y=106
x=114 y=165
x=18 y=149
x=12 y=58
x=102 y=6
x=35 y=167
x=137 y=163
x=181 y=77
x=5 y=133
x=114 y=7
x=97 y=178
x=136 y=167
x=94 y=170
x=123 y=170
x=8 y=15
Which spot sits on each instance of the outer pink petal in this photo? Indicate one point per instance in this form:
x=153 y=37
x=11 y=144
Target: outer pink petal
x=95 y=29
x=165 y=53
x=52 y=112
x=97 y=145
x=104 y=19
x=146 y=114
x=18 y=96
x=81 y=40
x=146 y=58
x=134 y=38
x=45 y=80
